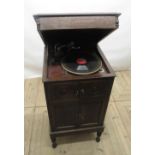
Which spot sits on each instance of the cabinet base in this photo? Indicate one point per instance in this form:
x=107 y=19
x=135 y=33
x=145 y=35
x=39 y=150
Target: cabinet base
x=55 y=134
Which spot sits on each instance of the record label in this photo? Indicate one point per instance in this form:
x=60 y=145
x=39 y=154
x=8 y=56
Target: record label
x=81 y=61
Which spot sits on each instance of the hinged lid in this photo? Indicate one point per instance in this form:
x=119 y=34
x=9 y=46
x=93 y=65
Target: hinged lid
x=83 y=28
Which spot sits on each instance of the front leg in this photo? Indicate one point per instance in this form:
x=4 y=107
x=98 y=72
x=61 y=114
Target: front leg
x=99 y=135
x=53 y=139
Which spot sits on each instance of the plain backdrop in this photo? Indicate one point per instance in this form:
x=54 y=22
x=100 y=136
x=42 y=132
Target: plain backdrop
x=11 y=65
x=116 y=46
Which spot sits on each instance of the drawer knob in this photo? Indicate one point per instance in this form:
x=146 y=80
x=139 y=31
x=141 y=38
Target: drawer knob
x=82 y=91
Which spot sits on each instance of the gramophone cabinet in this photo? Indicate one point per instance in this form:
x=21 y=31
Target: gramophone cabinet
x=76 y=104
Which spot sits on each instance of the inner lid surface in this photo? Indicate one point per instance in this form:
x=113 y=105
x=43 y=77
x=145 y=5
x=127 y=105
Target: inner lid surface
x=82 y=36
x=78 y=28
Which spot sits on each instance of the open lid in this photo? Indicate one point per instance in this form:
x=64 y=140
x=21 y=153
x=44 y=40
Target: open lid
x=83 y=28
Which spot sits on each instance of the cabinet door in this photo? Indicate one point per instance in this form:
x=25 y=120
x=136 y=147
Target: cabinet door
x=90 y=111
x=65 y=115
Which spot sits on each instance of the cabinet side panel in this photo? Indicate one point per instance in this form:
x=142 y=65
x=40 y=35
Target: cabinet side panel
x=45 y=61
x=49 y=105
x=105 y=61
x=106 y=99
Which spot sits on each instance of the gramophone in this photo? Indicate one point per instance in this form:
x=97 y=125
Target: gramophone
x=77 y=77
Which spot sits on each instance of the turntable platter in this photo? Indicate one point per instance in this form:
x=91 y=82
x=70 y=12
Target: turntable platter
x=81 y=63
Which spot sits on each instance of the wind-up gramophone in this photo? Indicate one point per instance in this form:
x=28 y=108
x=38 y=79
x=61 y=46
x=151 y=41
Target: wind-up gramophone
x=76 y=75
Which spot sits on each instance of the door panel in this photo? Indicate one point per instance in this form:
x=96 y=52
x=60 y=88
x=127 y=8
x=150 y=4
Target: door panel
x=89 y=111
x=65 y=115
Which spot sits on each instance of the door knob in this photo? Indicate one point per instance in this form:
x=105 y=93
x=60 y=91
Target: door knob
x=81 y=117
x=77 y=93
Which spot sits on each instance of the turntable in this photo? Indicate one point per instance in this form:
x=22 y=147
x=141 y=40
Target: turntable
x=77 y=77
